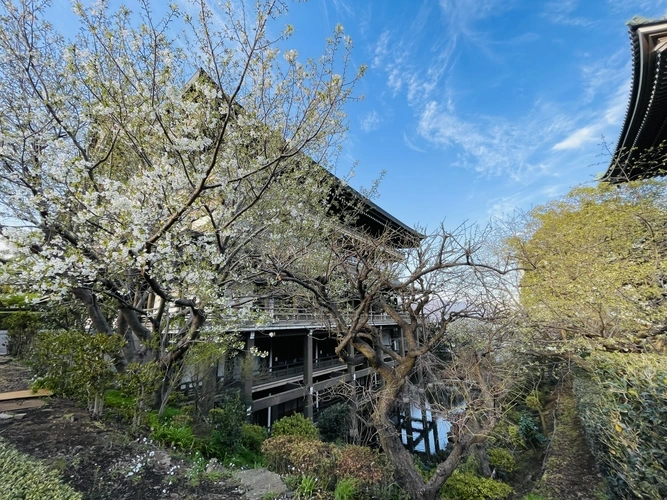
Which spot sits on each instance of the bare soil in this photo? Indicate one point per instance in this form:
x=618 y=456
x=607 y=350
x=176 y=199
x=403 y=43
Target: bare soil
x=97 y=458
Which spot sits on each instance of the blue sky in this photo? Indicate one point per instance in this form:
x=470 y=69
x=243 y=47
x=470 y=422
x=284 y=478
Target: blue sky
x=478 y=107
x=475 y=108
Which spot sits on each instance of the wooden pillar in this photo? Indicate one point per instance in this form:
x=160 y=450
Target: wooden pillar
x=248 y=367
x=402 y=353
x=308 y=373
x=353 y=403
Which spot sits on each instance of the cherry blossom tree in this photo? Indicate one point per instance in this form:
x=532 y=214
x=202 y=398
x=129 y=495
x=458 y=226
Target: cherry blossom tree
x=137 y=189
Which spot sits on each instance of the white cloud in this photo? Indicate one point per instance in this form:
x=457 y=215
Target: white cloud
x=411 y=145
x=490 y=145
x=370 y=122
x=524 y=199
x=563 y=12
x=578 y=138
x=606 y=118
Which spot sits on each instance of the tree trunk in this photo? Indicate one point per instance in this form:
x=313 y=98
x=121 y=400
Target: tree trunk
x=406 y=474
x=167 y=385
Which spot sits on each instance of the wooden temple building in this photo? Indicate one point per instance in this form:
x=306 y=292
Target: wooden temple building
x=641 y=152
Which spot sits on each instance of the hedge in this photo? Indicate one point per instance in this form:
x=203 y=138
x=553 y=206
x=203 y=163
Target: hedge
x=622 y=403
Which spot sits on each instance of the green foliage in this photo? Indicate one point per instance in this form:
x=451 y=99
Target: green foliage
x=596 y=261
x=346 y=489
x=470 y=486
x=252 y=437
x=196 y=470
x=295 y=425
x=25 y=478
x=179 y=436
x=307 y=488
x=529 y=430
x=534 y=400
x=622 y=402
x=120 y=403
x=334 y=423
x=76 y=364
x=226 y=421
x=139 y=382
x=501 y=459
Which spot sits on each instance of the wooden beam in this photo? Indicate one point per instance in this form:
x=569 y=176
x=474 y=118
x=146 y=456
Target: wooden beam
x=9 y=396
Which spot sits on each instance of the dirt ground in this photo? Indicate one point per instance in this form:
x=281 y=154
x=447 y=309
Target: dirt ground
x=570 y=471
x=97 y=458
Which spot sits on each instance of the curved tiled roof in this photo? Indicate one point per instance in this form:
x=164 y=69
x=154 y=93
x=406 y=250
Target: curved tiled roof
x=638 y=153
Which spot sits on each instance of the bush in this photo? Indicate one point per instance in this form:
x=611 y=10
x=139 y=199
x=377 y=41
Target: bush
x=529 y=430
x=501 y=459
x=470 y=486
x=226 y=421
x=25 y=478
x=622 y=403
x=276 y=453
x=252 y=437
x=295 y=425
x=366 y=465
x=294 y=455
x=334 y=423
x=76 y=364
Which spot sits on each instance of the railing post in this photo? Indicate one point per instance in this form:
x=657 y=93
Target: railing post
x=308 y=373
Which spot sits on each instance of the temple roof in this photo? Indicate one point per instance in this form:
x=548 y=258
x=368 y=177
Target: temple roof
x=638 y=154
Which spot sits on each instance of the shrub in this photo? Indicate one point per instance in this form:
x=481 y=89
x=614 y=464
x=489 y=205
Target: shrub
x=295 y=425
x=470 y=486
x=76 y=364
x=334 y=422
x=529 y=430
x=501 y=459
x=25 y=478
x=367 y=466
x=226 y=421
x=252 y=437
x=294 y=455
x=276 y=453
x=622 y=403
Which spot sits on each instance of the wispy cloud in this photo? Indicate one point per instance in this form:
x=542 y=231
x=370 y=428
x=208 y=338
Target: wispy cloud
x=600 y=120
x=507 y=205
x=411 y=145
x=489 y=145
x=370 y=122
x=395 y=51
x=563 y=12
x=578 y=138
x=637 y=5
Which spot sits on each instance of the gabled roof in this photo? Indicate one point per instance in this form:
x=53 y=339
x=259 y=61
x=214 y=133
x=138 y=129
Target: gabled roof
x=368 y=216
x=638 y=154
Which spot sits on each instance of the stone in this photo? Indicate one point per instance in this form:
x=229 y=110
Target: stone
x=19 y=416
x=259 y=482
